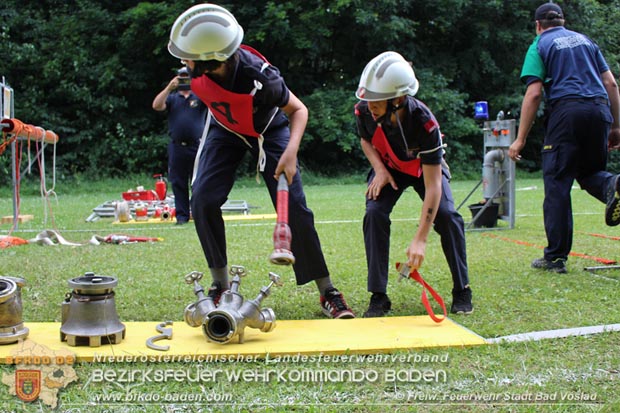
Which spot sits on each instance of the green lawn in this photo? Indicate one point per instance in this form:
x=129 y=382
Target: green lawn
x=509 y=298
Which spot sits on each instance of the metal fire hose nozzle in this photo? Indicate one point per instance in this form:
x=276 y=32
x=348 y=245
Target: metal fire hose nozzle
x=195 y=312
x=228 y=319
x=11 y=323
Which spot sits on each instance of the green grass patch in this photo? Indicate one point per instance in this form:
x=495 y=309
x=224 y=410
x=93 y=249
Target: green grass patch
x=509 y=298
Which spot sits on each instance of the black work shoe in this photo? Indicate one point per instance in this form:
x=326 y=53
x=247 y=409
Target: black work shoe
x=612 y=210
x=333 y=305
x=215 y=292
x=379 y=306
x=461 y=302
x=558 y=265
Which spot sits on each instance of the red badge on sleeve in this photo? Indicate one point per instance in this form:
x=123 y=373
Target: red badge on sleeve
x=431 y=125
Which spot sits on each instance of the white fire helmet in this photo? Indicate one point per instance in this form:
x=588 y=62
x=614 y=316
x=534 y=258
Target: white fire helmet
x=205 y=32
x=385 y=77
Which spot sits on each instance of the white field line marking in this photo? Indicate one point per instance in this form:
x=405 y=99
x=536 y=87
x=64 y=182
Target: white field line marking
x=256 y=224
x=565 y=332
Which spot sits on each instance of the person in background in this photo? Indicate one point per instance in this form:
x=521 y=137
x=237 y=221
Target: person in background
x=186 y=120
x=402 y=141
x=253 y=111
x=582 y=103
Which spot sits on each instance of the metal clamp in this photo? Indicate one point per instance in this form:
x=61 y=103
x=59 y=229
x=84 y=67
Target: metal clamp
x=237 y=270
x=404 y=271
x=193 y=276
x=166 y=334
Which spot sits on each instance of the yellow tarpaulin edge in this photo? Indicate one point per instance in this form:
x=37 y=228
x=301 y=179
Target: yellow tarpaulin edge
x=290 y=337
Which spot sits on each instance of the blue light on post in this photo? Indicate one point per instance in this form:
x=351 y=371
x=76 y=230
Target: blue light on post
x=481 y=110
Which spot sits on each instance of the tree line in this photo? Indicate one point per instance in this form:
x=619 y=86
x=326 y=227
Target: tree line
x=89 y=70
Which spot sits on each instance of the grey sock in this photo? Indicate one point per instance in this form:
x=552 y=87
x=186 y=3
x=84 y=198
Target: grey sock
x=324 y=284
x=220 y=275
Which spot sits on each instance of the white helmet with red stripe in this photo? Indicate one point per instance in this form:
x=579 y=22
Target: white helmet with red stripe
x=205 y=32
x=385 y=77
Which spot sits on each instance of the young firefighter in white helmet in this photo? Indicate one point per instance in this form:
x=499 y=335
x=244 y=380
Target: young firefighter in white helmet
x=252 y=110
x=403 y=143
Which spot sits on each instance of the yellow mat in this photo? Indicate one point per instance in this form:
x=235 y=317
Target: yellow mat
x=290 y=337
x=237 y=217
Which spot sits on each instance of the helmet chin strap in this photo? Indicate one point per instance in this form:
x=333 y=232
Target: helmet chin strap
x=203 y=67
x=387 y=118
x=192 y=73
x=389 y=111
x=200 y=67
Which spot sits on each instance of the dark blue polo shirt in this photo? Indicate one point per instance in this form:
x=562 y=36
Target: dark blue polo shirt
x=568 y=63
x=420 y=132
x=186 y=117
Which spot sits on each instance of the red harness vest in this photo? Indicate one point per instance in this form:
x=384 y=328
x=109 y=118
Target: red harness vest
x=232 y=110
x=411 y=167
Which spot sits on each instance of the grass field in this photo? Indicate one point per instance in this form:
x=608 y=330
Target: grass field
x=574 y=374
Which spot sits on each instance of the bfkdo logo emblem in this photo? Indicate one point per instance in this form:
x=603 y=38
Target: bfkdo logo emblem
x=28 y=384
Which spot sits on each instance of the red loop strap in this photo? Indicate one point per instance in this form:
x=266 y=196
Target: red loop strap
x=415 y=275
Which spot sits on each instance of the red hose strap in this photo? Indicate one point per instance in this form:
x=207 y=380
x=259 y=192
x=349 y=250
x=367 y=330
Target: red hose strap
x=415 y=275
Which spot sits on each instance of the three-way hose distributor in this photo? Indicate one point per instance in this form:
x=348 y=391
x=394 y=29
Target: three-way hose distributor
x=227 y=319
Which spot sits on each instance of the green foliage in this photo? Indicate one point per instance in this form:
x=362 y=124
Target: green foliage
x=331 y=143
x=461 y=133
x=89 y=70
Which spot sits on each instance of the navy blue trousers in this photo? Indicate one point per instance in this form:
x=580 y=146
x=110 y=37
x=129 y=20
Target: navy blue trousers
x=219 y=160
x=448 y=224
x=180 y=169
x=575 y=148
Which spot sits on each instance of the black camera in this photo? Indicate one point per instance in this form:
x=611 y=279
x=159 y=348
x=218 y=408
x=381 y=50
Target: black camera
x=184 y=79
x=184 y=83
